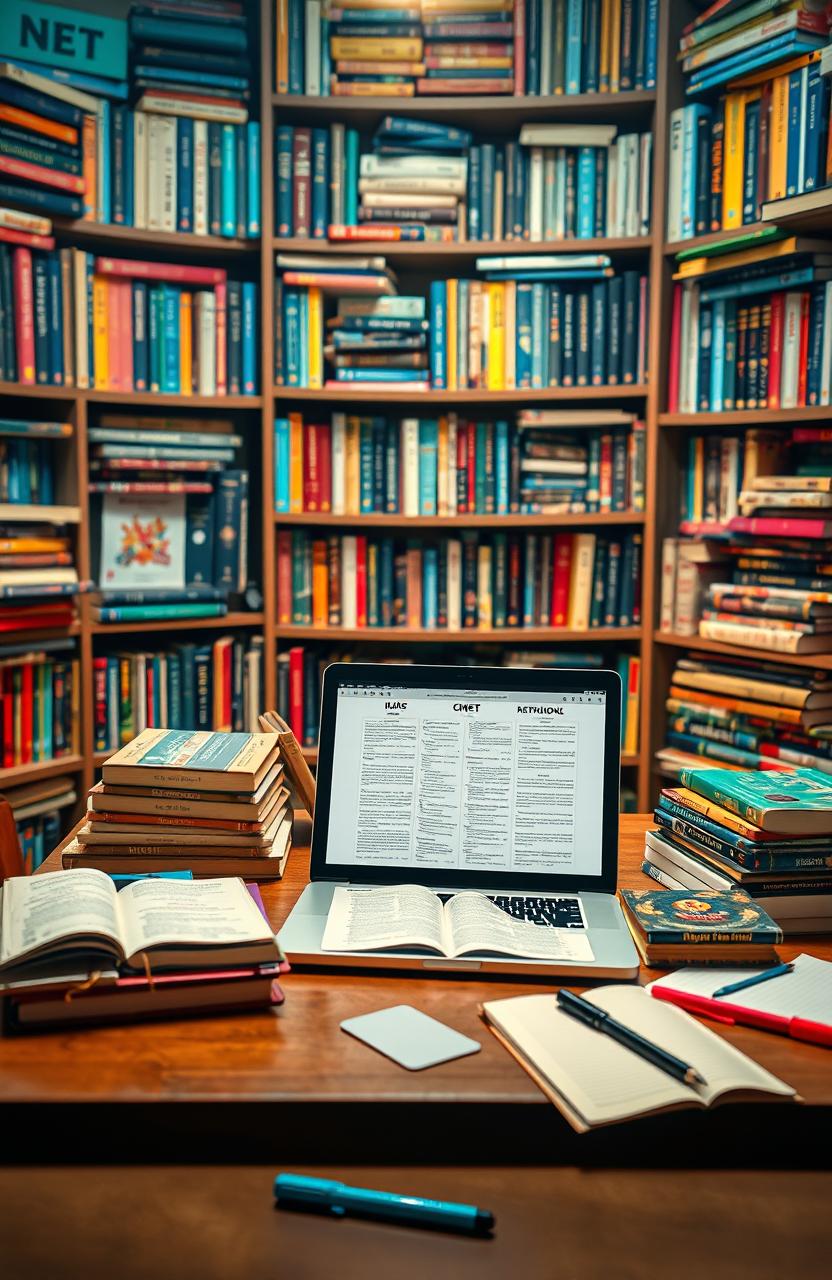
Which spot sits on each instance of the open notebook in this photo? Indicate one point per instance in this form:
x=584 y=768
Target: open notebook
x=593 y=1080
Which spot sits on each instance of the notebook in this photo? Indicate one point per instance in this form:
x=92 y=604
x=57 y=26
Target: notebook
x=806 y=992
x=593 y=1080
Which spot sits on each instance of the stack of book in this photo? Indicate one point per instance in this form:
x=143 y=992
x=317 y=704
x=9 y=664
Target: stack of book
x=39 y=812
x=363 y=346
x=575 y=582
x=748 y=713
x=187 y=686
x=769 y=834
x=457 y=47
x=215 y=804
x=551 y=461
x=752 y=329
x=190 y=154
x=316 y=180
x=40 y=696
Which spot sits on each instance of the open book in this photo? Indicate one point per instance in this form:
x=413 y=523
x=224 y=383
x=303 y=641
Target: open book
x=594 y=1080
x=409 y=916
x=68 y=918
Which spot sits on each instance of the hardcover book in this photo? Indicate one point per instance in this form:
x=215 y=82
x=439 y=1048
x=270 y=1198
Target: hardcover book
x=672 y=918
x=216 y=761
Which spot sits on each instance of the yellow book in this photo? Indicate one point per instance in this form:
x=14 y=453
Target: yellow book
x=778 y=138
x=376 y=49
x=89 y=166
x=320 y=584
x=186 y=371
x=295 y=463
x=496 y=342
x=615 y=46
x=698 y=478
x=580 y=582
x=632 y=695
x=604 y=51
x=732 y=174
x=485 y=598
x=315 y=335
x=741 y=258
x=451 y=359
x=357 y=90
x=442 y=468
x=450 y=64
x=352 y=473
x=100 y=334
x=281 y=78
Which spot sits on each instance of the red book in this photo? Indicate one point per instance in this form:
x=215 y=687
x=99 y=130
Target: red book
x=513 y=605
x=296 y=691
x=170 y=272
x=805 y=304
x=561 y=574
x=462 y=469
x=361 y=581
x=414 y=587
x=781 y=526
x=675 y=344
x=284 y=577
x=812 y=435
x=605 y=474
x=325 y=466
x=27 y=708
x=41 y=177
x=471 y=466
x=311 y=468
x=28 y=238
x=775 y=349
x=99 y=666
x=8 y=719
x=302 y=183
x=24 y=316
x=149 y=687
x=222 y=337
x=227 y=714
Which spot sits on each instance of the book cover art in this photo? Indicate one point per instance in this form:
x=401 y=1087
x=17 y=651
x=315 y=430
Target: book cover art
x=142 y=541
x=725 y=915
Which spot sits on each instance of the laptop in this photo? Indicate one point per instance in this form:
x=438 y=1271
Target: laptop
x=498 y=779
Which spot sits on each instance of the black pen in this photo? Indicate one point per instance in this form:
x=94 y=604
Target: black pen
x=594 y=1017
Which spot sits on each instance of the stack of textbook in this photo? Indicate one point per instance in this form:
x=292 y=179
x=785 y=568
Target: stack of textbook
x=766 y=832
x=215 y=804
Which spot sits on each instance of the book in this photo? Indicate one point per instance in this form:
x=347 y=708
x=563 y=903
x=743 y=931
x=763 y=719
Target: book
x=216 y=761
x=669 y=927
x=572 y=1063
x=792 y=804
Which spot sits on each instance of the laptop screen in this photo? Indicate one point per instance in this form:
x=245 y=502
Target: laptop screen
x=485 y=781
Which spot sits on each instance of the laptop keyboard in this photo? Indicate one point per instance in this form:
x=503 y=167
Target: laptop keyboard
x=553 y=913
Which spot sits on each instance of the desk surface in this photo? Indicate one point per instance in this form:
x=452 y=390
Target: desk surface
x=298 y=1053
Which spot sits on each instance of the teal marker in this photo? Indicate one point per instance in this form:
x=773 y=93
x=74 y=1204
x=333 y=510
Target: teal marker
x=293 y=1190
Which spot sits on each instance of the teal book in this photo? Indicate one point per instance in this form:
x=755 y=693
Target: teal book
x=159 y=612
x=428 y=453
x=798 y=803
x=672 y=917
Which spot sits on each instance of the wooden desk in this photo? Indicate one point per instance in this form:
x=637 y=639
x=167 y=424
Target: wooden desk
x=298 y=1055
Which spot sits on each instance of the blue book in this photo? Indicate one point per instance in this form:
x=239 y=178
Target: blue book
x=438 y=347
x=750 y=211
x=530 y=568
x=715 y=394
x=540 y=344
x=231 y=516
x=585 y=220
x=141 y=367
x=170 y=339
x=690 y=134
x=284 y=217
x=228 y=181
x=815 y=348
x=523 y=337
x=430 y=587
x=304 y=337
x=104 y=211
x=404 y=127
x=234 y=336
x=351 y=177
x=129 y=166
x=119 y=121
x=591 y=42
x=41 y=201
x=817 y=114
x=502 y=467
x=651 y=46
x=589 y=273
x=379 y=463
x=365 y=465
x=486 y=193
x=555 y=336
x=154 y=331
x=297 y=50
x=533 y=48
x=167 y=31
x=474 y=184
x=291 y=336
x=249 y=338
x=794 y=128
x=241 y=178
x=521 y=169
x=320 y=183
x=40 y=104
x=763 y=284
x=391 y=469
x=574 y=45
x=199 y=544
x=428 y=454
x=778 y=49
x=598 y=352
x=326 y=56
x=253 y=178
x=40 y=291
x=213 y=79
x=184 y=174
x=380 y=375
x=56 y=324
x=102 y=86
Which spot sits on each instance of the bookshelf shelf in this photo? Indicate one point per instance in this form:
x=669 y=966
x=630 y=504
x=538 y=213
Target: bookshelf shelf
x=375 y=520
x=231 y=620
x=96 y=233
x=37 y=770
x=499 y=114
x=474 y=635
x=432 y=251
x=355 y=395
x=810 y=661
x=38 y=393
x=747 y=417
x=809 y=213
x=36 y=635
x=150 y=399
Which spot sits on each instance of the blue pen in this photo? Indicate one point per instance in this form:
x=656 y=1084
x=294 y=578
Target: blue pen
x=753 y=980
x=293 y=1190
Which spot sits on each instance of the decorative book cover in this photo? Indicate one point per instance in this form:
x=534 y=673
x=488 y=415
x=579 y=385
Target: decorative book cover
x=671 y=916
x=142 y=541
x=790 y=802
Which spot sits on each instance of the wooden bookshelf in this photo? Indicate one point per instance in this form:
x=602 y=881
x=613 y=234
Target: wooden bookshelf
x=354 y=394
x=517 y=637
x=809 y=661
x=747 y=417
x=500 y=113
x=426 y=253
x=108 y=235
x=577 y=520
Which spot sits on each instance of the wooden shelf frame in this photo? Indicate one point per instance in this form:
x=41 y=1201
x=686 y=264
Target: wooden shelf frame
x=576 y=520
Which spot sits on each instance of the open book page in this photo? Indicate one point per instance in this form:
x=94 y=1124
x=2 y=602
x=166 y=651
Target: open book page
x=183 y=912
x=476 y=925
x=403 y=915
x=603 y=1081
x=42 y=910
x=806 y=992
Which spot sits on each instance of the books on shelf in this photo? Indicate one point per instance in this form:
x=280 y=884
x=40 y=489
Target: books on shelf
x=357 y=465
x=430 y=47
x=745 y=50
x=569 y=581
x=766 y=833
x=39 y=812
x=40 y=702
x=218 y=686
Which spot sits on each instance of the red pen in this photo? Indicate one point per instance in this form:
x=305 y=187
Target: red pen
x=732 y=1014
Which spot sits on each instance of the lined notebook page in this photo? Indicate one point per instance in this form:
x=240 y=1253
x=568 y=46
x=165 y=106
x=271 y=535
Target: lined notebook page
x=603 y=1080
x=806 y=992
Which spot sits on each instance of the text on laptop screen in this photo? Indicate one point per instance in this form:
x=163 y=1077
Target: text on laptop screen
x=494 y=781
